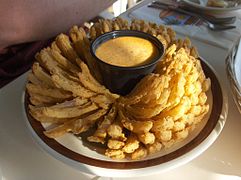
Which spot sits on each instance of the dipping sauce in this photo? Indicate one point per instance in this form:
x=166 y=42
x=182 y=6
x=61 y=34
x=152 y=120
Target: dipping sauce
x=127 y=51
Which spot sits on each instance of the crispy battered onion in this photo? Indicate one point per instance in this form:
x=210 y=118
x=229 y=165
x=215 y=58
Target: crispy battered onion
x=65 y=91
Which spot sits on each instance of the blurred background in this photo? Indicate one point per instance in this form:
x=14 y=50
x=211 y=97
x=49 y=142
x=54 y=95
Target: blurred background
x=122 y=5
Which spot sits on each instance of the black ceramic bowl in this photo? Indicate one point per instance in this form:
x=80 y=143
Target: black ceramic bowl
x=122 y=80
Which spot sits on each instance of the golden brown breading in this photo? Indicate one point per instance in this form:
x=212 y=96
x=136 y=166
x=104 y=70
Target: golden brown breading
x=140 y=153
x=41 y=75
x=65 y=63
x=90 y=83
x=49 y=92
x=70 y=85
x=76 y=125
x=66 y=48
x=132 y=144
x=101 y=133
x=66 y=112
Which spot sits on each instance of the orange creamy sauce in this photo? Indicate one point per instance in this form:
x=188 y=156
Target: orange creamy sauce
x=127 y=51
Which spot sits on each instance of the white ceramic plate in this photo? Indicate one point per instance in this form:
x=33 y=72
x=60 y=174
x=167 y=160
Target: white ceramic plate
x=201 y=6
x=89 y=158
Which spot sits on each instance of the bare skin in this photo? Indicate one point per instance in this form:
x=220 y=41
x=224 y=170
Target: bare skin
x=30 y=20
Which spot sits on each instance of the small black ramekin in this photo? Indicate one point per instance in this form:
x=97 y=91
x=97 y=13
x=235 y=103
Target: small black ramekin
x=122 y=80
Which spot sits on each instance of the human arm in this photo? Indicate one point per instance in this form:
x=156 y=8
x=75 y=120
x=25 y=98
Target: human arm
x=30 y=20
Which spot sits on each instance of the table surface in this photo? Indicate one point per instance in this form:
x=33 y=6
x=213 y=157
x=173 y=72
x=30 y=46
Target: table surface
x=22 y=159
